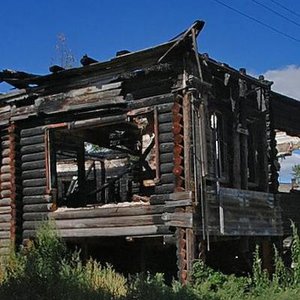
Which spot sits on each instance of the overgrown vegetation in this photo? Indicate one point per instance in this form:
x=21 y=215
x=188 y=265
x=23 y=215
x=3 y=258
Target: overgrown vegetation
x=46 y=270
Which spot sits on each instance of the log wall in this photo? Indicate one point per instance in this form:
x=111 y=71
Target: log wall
x=10 y=189
x=37 y=200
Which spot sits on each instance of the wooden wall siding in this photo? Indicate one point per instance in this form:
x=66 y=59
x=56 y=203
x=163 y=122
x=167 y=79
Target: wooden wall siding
x=10 y=192
x=290 y=207
x=36 y=199
x=166 y=183
x=131 y=220
x=245 y=213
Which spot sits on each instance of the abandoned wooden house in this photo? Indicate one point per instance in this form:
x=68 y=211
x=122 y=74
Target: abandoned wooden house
x=148 y=160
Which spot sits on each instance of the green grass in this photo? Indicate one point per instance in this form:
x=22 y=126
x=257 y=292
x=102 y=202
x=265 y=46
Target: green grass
x=45 y=269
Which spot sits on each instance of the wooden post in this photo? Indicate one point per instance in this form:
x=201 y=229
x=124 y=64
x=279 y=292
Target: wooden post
x=81 y=170
x=186 y=114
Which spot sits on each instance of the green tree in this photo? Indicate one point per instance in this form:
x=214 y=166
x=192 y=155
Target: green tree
x=296 y=172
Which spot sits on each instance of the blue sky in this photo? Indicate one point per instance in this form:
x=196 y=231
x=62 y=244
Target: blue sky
x=100 y=28
x=29 y=30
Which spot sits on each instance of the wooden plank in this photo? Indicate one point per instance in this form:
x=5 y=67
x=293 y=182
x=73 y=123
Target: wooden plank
x=34 y=182
x=33 y=174
x=37 y=199
x=37 y=139
x=34 y=165
x=30 y=191
x=44 y=207
x=114 y=231
x=33 y=131
x=165 y=188
x=99 y=222
x=37 y=148
x=166 y=168
x=103 y=212
x=166 y=157
x=33 y=157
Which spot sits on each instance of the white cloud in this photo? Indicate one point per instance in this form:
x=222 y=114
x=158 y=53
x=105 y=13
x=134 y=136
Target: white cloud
x=286 y=165
x=286 y=80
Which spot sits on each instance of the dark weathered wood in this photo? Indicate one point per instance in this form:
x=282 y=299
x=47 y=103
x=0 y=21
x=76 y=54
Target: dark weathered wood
x=34 y=165
x=165 y=117
x=166 y=147
x=120 y=221
x=165 y=127
x=166 y=168
x=37 y=139
x=165 y=188
x=163 y=108
x=33 y=174
x=30 y=191
x=108 y=211
x=167 y=178
x=37 y=199
x=37 y=207
x=33 y=148
x=166 y=157
x=34 y=182
x=166 y=137
x=114 y=231
x=33 y=157
x=32 y=131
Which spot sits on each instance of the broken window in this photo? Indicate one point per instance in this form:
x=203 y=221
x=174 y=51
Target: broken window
x=218 y=127
x=103 y=164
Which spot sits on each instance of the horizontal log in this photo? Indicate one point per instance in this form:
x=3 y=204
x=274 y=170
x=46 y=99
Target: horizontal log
x=131 y=210
x=165 y=188
x=33 y=157
x=166 y=147
x=5 y=243
x=32 y=140
x=176 y=108
x=178 y=219
x=5 y=210
x=114 y=231
x=34 y=182
x=5 y=226
x=33 y=131
x=181 y=196
x=6 y=193
x=30 y=191
x=178 y=203
x=5 y=169
x=167 y=107
x=5 y=177
x=5 y=218
x=33 y=174
x=5 y=235
x=5 y=152
x=166 y=168
x=165 y=127
x=5 y=251
x=37 y=207
x=166 y=157
x=165 y=118
x=101 y=222
x=37 y=199
x=166 y=137
x=34 y=165
x=167 y=178
x=5 y=161
x=153 y=100
x=35 y=216
x=5 y=202
x=33 y=148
